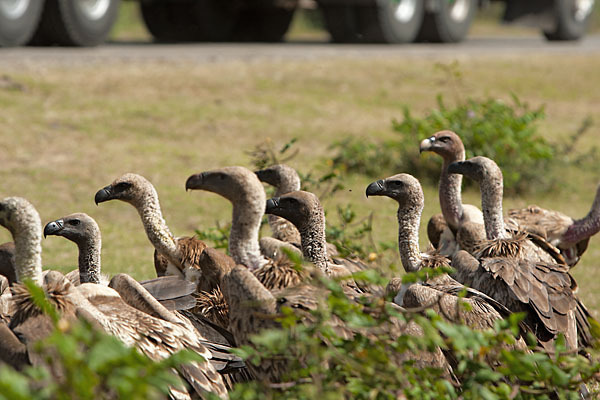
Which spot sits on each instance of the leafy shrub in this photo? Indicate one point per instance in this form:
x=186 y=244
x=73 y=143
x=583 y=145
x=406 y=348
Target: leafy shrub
x=507 y=133
x=327 y=365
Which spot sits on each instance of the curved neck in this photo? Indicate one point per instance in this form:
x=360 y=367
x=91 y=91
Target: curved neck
x=491 y=206
x=450 y=193
x=313 y=241
x=408 y=237
x=89 y=261
x=587 y=226
x=243 y=238
x=157 y=230
x=28 y=254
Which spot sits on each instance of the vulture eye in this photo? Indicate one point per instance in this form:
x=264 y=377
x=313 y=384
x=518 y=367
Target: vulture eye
x=74 y=222
x=122 y=186
x=444 y=139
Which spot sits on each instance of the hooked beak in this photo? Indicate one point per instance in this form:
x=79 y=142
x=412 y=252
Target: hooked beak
x=272 y=204
x=194 y=182
x=376 y=188
x=103 y=195
x=53 y=227
x=426 y=144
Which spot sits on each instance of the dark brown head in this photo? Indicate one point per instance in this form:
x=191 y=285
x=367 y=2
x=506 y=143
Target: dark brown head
x=480 y=169
x=234 y=183
x=79 y=228
x=403 y=188
x=300 y=208
x=283 y=177
x=445 y=143
x=130 y=188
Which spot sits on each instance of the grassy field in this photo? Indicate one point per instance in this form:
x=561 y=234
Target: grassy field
x=68 y=131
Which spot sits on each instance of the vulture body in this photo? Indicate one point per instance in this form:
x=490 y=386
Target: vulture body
x=517 y=271
x=244 y=190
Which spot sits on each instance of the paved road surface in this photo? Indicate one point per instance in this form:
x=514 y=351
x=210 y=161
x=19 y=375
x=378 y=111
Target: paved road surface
x=213 y=52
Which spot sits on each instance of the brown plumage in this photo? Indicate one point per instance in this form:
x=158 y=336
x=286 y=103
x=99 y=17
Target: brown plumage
x=213 y=306
x=569 y=235
x=173 y=256
x=519 y=269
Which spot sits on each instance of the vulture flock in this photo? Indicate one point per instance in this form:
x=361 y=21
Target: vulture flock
x=209 y=302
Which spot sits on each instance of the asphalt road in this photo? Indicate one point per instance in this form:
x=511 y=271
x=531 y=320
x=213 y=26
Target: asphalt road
x=218 y=52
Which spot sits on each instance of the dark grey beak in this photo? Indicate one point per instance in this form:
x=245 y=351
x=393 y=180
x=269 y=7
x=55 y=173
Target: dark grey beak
x=194 y=182
x=376 y=188
x=103 y=195
x=53 y=227
x=272 y=204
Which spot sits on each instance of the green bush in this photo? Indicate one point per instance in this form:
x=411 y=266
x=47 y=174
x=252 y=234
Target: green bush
x=505 y=132
x=327 y=365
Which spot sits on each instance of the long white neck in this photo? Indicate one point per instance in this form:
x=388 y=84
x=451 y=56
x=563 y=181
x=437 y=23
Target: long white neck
x=313 y=241
x=408 y=237
x=243 y=238
x=450 y=193
x=28 y=252
x=587 y=226
x=491 y=206
x=156 y=228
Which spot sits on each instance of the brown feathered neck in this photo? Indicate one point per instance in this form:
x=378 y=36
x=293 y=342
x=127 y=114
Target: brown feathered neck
x=450 y=191
x=57 y=294
x=503 y=247
x=409 y=218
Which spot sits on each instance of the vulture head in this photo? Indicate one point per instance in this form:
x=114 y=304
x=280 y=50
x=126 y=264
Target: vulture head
x=403 y=188
x=236 y=184
x=445 y=143
x=78 y=228
x=300 y=208
x=480 y=169
x=130 y=188
x=281 y=176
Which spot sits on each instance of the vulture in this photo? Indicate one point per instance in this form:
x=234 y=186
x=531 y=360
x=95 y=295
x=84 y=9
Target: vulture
x=242 y=188
x=285 y=179
x=441 y=292
x=156 y=333
x=172 y=256
x=569 y=235
x=172 y=292
x=448 y=145
x=521 y=270
x=304 y=210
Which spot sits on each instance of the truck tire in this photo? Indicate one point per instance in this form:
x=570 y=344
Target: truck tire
x=18 y=21
x=571 y=19
x=448 y=22
x=386 y=21
x=76 y=23
x=182 y=21
x=263 y=24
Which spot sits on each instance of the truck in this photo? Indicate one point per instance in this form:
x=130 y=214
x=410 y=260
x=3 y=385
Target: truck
x=88 y=22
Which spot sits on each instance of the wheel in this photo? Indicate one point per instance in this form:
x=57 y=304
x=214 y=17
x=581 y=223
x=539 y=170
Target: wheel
x=18 y=21
x=263 y=24
x=571 y=19
x=387 y=21
x=449 y=22
x=76 y=23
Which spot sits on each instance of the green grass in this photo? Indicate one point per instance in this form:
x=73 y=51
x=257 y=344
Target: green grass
x=74 y=129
